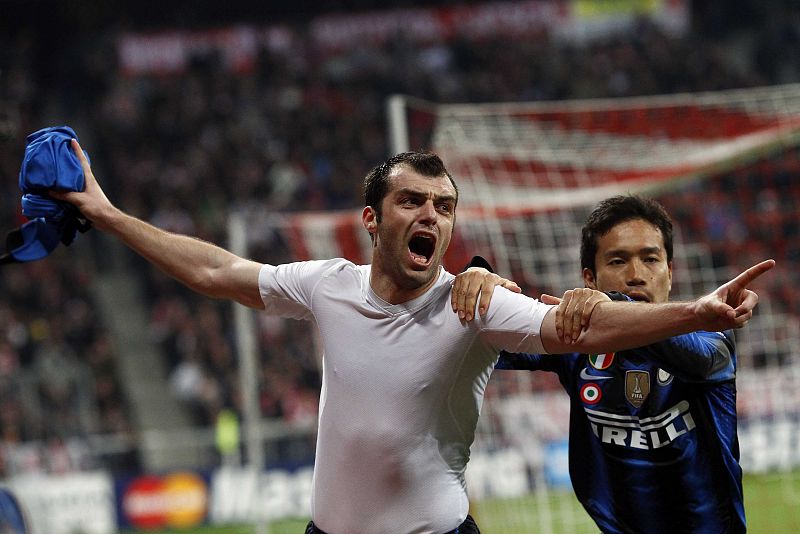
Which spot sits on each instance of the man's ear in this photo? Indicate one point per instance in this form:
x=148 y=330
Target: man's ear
x=588 y=278
x=369 y=219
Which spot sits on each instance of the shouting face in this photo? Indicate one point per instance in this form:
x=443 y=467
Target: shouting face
x=412 y=235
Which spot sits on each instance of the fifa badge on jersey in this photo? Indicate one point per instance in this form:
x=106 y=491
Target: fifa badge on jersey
x=601 y=361
x=637 y=387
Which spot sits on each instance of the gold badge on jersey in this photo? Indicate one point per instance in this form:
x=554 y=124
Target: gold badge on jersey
x=637 y=387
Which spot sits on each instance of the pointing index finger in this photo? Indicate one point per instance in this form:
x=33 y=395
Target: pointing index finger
x=750 y=274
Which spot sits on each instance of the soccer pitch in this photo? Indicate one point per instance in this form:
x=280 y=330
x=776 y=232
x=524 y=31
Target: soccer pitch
x=772 y=503
x=772 y=506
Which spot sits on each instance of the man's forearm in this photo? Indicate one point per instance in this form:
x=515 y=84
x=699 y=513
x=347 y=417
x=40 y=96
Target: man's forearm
x=203 y=267
x=618 y=326
x=621 y=325
x=200 y=265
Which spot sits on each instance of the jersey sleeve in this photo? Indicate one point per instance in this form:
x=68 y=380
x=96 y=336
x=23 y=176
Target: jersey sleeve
x=514 y=322
x=697 y=357
x=288 y=289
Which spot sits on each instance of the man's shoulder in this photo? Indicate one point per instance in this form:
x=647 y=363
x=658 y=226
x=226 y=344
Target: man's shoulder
x=337 y=265
x=312 y=271
x=724 y=339
x=328 y=266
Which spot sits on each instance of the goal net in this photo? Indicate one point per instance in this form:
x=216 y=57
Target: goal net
x=724 y=165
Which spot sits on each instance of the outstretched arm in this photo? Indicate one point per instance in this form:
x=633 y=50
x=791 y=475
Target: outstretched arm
x=617 y=326
x=202 y=266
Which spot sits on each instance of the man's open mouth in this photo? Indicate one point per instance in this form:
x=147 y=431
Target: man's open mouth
x=421 y=247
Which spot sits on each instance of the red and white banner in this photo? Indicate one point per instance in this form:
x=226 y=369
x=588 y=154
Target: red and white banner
x=570 y=20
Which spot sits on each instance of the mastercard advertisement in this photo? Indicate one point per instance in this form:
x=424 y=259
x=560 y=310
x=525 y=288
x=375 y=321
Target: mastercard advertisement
x=176 y=500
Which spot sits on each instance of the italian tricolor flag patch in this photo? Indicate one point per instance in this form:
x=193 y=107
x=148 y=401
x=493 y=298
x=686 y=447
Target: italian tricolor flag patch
x=602 y=361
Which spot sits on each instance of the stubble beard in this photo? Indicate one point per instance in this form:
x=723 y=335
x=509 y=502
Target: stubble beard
x=404 y=277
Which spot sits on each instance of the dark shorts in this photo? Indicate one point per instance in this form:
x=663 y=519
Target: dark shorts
x=467 y=527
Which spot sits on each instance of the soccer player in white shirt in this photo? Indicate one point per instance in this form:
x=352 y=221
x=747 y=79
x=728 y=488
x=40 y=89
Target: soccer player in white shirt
x=403 y=375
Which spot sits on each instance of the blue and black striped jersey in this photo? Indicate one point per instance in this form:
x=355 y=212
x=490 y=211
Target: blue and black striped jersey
x=653 y=444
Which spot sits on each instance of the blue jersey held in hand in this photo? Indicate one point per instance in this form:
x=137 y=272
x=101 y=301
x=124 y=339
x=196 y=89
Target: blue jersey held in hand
x=48 y=163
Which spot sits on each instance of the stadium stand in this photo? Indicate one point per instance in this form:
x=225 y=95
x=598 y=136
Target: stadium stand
x=297 y=131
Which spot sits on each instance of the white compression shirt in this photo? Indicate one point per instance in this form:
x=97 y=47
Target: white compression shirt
x=402 y=386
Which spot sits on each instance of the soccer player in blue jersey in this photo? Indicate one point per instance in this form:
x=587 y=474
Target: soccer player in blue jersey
x=653 y=445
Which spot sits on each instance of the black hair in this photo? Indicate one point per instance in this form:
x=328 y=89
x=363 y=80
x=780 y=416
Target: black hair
x=376 y=183
x=615 y=210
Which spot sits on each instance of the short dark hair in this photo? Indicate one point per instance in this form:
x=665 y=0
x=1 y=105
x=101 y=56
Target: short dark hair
x=615 y=210
x=376 y=183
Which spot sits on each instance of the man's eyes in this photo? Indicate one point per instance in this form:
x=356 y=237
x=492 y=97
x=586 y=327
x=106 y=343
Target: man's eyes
x=445 y=208
x=620 y=261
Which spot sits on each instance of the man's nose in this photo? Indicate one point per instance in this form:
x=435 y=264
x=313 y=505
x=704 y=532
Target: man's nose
x=428 y=212
x=634 y=274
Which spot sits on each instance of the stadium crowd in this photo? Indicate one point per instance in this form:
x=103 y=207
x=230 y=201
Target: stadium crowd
x=297 y=132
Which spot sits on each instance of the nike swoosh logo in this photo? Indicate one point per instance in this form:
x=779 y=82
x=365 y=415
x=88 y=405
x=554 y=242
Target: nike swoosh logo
x=587 y=376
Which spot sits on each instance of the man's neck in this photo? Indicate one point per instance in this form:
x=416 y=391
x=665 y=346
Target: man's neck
x=389 y=291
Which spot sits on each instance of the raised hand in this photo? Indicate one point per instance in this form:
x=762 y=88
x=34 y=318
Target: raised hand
x=731 y=304
x=92 y=201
